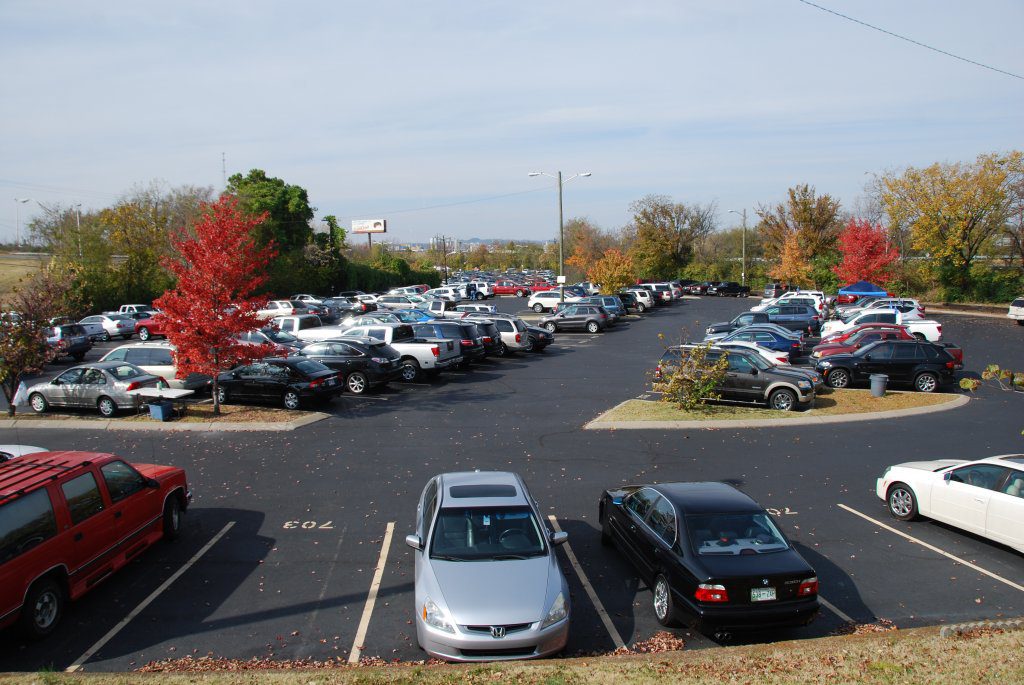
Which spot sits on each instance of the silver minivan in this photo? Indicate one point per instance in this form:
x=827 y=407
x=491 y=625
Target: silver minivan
x=488 y=584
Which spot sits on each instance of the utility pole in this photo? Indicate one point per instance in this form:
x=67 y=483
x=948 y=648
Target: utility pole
x=224 y=169
x=743 y=263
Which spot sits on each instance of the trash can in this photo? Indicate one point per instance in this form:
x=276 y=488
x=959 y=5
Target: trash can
x=161 y=410
x=878 y=383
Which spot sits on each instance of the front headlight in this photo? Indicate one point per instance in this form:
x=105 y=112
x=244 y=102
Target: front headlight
x=435 y=617
x=557 y=612
x=805 y=385
x=825 y=364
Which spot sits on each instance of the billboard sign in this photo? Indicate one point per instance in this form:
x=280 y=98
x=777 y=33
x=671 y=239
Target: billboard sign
x=369 y=225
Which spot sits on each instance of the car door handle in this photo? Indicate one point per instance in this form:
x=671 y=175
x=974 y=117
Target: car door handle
x=117 y=514
x=979 y=501
x=78 y=536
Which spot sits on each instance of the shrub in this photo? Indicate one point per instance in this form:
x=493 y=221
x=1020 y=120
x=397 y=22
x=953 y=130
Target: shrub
x=695 y=381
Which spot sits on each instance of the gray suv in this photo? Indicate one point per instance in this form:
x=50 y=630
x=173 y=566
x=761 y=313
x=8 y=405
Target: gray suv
x=749 y=379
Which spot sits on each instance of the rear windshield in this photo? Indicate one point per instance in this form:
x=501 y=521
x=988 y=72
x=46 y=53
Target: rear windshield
x=734 y=534
x=310 y=366
x=1019 y=302
x=72 y=329
x=383 y=350
x=123 y=372
x=401 y=333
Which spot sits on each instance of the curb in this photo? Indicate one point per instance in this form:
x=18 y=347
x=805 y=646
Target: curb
x=962 y=312
x=228 y=427
x=598 y=424
x=959 y=629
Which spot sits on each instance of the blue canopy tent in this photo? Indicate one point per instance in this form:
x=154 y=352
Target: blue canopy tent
x=861 y=288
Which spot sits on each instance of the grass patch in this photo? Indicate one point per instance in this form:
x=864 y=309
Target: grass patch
x=912 y=656
x=196 y=413
x=830 y=403
x=14 y=269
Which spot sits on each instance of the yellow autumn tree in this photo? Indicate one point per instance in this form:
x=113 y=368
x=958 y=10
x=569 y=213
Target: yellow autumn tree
x=614 y=270
x=794 y=266
x=953 y=209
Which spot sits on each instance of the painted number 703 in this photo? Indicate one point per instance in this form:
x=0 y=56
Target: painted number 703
x=309 y=525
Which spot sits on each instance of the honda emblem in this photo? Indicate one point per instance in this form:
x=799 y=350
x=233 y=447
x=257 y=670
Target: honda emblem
x=497 y=631
x=764 y=581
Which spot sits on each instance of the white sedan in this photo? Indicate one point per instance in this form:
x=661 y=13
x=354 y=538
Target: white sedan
x=8 y=452
x=985 y=497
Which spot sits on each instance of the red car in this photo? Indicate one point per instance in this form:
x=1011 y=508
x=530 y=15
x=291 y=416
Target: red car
x=70 y=520
x=866 y=336
x=542 y=286
x=148 y=328
x=512 y=288
x=846 y=335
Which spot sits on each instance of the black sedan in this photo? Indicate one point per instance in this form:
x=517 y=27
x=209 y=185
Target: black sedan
x=538 y=338
x=712 y=555
x=363 y=363
x=288 y=381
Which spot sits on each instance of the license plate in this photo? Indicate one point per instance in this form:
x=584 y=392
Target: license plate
x=762 y=594
x=330 y=381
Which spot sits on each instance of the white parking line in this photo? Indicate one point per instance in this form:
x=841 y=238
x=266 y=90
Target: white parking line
x=835 y=610
x=371 y=598
x=78 y=663
x=594 y=599
x=933 y=548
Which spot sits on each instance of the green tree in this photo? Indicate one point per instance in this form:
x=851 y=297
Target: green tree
x=663 y=234
x=287 y=208
x=336 y=234
x=954 y=209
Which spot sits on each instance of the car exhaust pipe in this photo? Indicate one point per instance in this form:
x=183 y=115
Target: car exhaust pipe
x=722 y=636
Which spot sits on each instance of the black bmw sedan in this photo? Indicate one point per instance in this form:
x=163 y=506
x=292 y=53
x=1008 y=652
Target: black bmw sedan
x=289 y=381
x=712 y=556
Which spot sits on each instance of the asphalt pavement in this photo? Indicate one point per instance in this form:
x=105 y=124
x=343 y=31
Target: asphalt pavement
x=286 y=534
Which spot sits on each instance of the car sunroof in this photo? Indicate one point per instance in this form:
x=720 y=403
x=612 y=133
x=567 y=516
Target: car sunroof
x=482 y=491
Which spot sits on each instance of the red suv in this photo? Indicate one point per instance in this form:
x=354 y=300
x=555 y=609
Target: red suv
x=70 y=519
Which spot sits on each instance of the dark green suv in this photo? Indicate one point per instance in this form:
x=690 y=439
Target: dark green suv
x=749 y=379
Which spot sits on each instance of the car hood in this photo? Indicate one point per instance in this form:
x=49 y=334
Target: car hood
x=781 y=373
x=491 y=593
x=721 y=326
x=933 y=465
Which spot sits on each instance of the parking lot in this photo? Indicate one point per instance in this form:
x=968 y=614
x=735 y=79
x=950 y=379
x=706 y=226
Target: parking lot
x=294 y=546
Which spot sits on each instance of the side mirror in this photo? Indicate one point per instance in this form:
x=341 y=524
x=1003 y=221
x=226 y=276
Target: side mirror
x=868 y=357
x=947 y=476
x=559 y=538
x=753 y=372
x=152 y=483
x=55 y=381
x=414 y=541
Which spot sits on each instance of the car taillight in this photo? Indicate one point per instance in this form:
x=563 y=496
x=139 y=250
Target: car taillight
x=796 y=345
x=519 y=337
x=488 y=340
x=362 y=307
x=133 y=385
x=951 y=365
x=315 y=382
x=808 y=587
x=657 y=372
x=436 y=351
x=712 y=593
x=939 y=329
x=467 y=343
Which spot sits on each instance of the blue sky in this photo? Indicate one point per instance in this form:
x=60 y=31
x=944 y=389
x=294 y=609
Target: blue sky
x=395 y=109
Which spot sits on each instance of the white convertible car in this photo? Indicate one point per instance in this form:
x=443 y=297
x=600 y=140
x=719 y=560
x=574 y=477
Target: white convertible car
x=985 y=497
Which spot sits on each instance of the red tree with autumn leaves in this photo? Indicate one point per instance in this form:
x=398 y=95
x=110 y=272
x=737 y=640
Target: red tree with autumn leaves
x=218 y=268
x=868 y=254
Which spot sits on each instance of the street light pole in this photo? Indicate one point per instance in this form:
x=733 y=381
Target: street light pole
x=561 y=225
x=78 y=228
x=743 y=264
x=18 y=201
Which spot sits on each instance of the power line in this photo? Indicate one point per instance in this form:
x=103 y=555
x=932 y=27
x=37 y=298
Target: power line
x=911 y=40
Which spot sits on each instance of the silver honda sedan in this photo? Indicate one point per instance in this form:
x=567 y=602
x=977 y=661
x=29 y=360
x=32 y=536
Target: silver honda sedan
x=488 y=584
x=102 y=386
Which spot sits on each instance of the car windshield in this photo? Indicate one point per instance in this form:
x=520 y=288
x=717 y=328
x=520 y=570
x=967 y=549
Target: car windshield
x=309 y=366
x=734 y=534
x=486 y=534
x=123 y=372
x=279 y=336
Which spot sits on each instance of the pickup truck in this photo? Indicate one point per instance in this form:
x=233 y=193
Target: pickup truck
x=923 y=329
x=442 y=309
x=420 y=356
x=732 y=288
x=134 y=308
